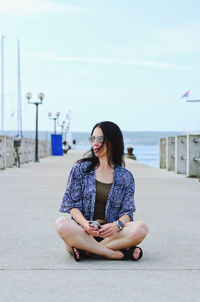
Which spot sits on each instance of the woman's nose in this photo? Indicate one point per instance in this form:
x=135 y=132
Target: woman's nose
x=96 y=143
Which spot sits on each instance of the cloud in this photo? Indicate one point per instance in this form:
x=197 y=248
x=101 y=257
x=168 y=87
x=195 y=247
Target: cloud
x=98 y=60
x=29 y=7
x=179 y=40
x=172 y=43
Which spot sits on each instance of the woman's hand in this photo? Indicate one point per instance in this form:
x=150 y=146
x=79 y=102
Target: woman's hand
x=90 y=230
x=108 y=230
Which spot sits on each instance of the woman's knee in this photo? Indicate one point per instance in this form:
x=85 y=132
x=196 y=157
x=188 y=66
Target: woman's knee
x=62 y=225
x=59 y=222
x=140 y=228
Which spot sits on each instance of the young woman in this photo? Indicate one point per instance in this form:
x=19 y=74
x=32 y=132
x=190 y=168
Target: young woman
x=99 y=188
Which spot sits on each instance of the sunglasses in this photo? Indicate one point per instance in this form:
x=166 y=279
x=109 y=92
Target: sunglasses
x=100 y=139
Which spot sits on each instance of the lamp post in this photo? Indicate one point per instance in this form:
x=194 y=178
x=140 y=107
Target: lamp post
x=68 y=121
x=57 y=115
x=62 y=125
x=36 y=103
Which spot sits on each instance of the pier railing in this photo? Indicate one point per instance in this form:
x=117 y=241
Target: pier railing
x=26 y=150
x=181 y=154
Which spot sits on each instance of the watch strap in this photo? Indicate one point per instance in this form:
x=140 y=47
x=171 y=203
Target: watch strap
x=120 y=225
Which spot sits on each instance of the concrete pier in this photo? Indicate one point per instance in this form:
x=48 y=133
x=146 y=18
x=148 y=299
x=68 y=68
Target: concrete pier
x=34 y=265
x=181 y=154
x=26 y=150
x=170 y=143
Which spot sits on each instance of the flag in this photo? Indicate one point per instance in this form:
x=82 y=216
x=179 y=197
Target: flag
x=186 y=95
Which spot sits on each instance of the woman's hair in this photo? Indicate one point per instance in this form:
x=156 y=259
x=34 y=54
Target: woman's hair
x=113 y=139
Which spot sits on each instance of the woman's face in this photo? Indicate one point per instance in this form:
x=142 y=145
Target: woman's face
x=96 y=144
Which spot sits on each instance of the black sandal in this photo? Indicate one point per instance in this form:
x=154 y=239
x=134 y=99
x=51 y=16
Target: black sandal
x=128 y=253
x=82 y=254
x=131 y=251
x=125 y=252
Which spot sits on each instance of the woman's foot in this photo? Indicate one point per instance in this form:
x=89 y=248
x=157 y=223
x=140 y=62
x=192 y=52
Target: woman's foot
x=137 y=253
x=134 y=253
x=78 y=254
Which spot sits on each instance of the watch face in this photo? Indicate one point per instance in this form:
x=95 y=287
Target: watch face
x=120 y=224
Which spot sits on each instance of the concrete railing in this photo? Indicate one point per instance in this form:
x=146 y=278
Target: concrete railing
x=26 y=150
x=181 y=154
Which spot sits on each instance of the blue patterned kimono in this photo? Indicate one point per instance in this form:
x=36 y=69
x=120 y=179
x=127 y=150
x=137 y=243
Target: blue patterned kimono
x=81 y=193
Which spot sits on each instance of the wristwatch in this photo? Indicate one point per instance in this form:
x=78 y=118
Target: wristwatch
x=120 y=225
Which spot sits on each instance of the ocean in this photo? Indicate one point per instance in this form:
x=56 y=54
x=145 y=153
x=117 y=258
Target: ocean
x=147 y=154
x=144 y=143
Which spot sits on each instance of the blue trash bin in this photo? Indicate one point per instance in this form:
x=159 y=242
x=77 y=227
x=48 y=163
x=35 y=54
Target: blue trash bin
x=56 y=144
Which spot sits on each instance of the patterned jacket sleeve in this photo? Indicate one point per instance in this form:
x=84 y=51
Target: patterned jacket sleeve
x=128 y=204
x=73 y=194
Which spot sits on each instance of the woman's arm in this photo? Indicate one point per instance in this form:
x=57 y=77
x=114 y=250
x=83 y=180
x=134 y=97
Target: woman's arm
x=128 y=204
x=72 y=197
x=78 y=216
x=111 y=229
x=124 y=219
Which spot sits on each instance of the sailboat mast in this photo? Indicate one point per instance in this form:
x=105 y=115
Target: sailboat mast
x=19 y=90
x=2 y=83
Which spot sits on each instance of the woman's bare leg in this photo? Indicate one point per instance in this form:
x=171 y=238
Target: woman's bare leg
x=74 y=235
x=132 y=234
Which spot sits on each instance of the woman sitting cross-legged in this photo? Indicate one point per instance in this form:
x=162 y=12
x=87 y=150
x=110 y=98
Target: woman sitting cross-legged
x=100 y=198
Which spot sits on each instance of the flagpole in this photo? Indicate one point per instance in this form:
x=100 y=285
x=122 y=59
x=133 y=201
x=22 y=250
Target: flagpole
x=190 y=101
x=19 y=90
x=185 y=95
x=2 y=82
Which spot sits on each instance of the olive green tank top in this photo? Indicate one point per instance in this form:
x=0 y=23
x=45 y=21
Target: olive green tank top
x=102 y=192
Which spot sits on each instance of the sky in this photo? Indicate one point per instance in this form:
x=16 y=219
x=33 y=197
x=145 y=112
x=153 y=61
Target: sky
x=127 y=61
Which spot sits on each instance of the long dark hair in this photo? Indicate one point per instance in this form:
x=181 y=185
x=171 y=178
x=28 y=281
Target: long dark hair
x=113 y=139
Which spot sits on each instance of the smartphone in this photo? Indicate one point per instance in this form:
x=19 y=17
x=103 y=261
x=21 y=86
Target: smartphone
x=95 y=224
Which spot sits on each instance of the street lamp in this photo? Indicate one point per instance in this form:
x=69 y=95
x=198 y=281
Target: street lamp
x=62 y=125
x=36 y=103
x=57 y=115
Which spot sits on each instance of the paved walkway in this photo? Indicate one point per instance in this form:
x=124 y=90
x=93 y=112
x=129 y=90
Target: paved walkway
x=35 y=267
